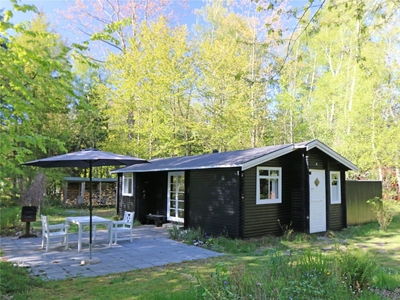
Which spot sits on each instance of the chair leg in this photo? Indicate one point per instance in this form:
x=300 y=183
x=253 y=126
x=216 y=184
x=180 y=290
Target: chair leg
x=47 y=244
x=116 y=238
x=66 y=242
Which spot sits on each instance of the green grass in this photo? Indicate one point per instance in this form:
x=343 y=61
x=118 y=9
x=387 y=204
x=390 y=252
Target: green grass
x=360 y=262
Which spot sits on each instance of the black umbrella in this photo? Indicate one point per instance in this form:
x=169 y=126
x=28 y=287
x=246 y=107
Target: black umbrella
x=86 y=158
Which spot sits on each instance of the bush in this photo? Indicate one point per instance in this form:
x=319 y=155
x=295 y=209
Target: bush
x=10 y=219
x=357 y=269
x=384 y=211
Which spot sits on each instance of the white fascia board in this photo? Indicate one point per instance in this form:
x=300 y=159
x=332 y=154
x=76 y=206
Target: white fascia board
x=267 y=157
x=331 y=153
x=177 y=169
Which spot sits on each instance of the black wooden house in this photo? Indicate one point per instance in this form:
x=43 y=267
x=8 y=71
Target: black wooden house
x=245 y=193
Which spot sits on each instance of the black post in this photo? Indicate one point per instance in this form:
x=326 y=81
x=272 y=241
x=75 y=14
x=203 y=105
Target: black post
x=90 y=210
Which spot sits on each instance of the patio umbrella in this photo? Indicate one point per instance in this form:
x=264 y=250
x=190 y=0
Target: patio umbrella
x=86 y=158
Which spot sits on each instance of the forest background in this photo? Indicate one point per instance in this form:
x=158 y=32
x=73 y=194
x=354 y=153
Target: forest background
x=244 y=74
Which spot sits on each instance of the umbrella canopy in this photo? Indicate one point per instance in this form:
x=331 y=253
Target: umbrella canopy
x=86 y=158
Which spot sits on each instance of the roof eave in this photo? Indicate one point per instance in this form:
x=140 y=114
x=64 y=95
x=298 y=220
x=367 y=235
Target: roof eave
x=317 y=144
x=267 y=157
x=174 y=169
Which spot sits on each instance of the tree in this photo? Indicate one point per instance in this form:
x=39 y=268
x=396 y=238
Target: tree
x=150 y=92
x=35 y=81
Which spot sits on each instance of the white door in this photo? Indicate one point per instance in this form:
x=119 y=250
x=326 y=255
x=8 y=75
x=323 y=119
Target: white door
x=317 y=201
x=176 y=197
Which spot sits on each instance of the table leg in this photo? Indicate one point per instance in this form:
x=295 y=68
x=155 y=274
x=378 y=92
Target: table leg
x=109 y=235
x=94 y=234
x=79 y=237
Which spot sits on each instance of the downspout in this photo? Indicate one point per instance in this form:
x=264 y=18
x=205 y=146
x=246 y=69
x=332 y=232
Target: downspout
x=117 y=191
x=306 y=186
x=241 y=219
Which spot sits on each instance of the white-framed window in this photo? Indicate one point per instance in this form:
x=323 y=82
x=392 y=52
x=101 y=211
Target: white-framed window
x=335 y=188
x=269 y=185
x=127 y=184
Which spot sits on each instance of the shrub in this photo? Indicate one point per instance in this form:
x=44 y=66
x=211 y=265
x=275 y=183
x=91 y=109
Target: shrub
x=10 y=218
x=174 y=232
x=192 y=235
x=287 y=230
x=383 y=210
x=357 y=269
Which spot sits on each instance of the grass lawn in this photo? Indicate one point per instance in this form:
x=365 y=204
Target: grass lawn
x=352 y=263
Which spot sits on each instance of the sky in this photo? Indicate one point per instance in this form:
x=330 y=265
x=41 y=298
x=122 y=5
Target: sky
x=51 y=8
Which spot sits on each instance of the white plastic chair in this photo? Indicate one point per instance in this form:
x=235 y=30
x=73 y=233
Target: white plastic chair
x=57 y=232
x=123 y=226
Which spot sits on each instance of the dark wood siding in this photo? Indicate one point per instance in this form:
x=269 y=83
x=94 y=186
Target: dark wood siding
x=300 y=191
x=212 y=201
x=262 y=219
x=152 y=194
x=125 y=203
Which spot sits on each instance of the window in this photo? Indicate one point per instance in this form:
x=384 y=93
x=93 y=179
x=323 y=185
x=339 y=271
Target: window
x=127 y=184
x=269 y=185
x=335 y=188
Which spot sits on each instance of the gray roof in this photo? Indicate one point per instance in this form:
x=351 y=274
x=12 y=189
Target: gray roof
x=243 y=159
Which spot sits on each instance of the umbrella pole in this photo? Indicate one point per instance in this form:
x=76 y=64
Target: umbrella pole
x=90 y=211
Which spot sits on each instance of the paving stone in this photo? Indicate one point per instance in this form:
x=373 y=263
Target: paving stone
x=150 y=247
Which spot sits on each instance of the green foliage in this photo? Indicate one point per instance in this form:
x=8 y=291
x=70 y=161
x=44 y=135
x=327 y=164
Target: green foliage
x=357 y=269
x=189 y=236
x=287 y=230
x=174 y=232
x=10 y=218
x=386 y=278
x=15 y=279
x=307 y=275
x=228 y=245
x=36 y=81
x=384 y=211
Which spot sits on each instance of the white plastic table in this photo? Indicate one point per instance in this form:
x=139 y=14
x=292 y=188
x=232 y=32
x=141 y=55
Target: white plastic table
x=85 y=221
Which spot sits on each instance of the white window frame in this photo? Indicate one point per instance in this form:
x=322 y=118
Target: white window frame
x=335 y=199
x=127 y=184
x=279 y=178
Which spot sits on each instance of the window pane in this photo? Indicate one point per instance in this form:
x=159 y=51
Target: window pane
x=335 y=194
x=181 y=214
x=263 y=172
x=264 y=188
x=274 y=173
x=334 y=179
x=181 y=196
x=129 y=186
x=173 y=204
x=274 y=189
x=172 y=212
x=181 y=205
